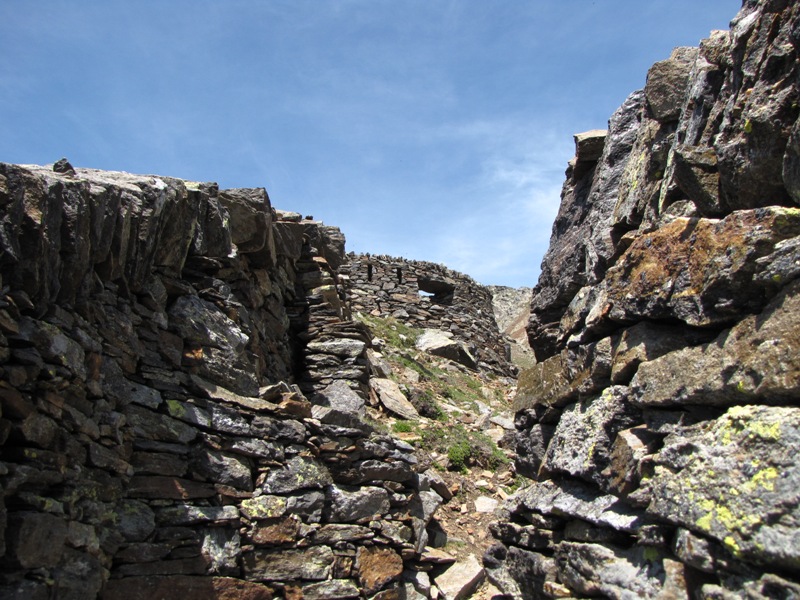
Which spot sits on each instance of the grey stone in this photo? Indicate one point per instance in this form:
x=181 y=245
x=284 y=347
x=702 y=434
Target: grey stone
x=221 y=548
x=577 y=500
x=147 y=424
x=134 y=520
x=188 y=514
x=335 y=533
x=442 y=343
x=335 y=589
x=582 y=440
x=307 y=506
x=122 y=390
x=593 y=569
x=299 y=473
x=698 y=467
x=227 y=469
x=667 y=83
x=339 y=396
x=755 y=361
x=393 y=399
x=484 y=504
x=54 y=346
x=36 y=540
x=460 y=579
x=346 y=347
x=311 y=564
x=348 y=505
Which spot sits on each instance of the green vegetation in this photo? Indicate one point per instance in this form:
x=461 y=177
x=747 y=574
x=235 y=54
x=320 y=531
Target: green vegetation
x=401 y=427
x=437 y=386
x=393 y=332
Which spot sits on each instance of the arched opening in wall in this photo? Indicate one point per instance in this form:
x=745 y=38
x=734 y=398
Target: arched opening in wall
x=369 y=272
x=399 y=275
x=438 y=290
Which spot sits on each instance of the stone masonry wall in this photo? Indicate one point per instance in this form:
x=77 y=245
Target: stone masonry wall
x=429 y=295
x=661 y=424
x=156 y=338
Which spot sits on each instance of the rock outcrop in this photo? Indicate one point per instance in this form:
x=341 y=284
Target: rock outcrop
x=182 y=401
x=660 y=421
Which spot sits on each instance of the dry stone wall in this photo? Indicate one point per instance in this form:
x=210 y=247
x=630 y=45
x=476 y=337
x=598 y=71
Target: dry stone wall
x=661 y=424
x=182 y=401
x=431 y=296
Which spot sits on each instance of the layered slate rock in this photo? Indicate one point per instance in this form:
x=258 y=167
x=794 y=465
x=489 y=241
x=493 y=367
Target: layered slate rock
x=659 y=425
x=182 y=400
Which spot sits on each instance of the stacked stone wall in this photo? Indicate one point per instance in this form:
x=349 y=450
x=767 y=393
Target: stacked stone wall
x=157 y=339
x=429 y=295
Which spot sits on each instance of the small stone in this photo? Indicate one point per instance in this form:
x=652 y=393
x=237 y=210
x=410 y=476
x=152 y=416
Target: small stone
x=484 y=504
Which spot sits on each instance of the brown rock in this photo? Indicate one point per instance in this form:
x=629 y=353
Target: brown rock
x=376 y=567
x=274 y=533
x=196 y=588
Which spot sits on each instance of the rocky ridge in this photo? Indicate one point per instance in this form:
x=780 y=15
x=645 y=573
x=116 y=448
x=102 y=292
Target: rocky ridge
x=659 y=422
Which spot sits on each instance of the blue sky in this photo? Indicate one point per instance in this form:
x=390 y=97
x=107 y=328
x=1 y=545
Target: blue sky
x=431 y=129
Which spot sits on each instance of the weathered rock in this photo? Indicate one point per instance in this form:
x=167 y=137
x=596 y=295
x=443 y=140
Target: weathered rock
x=755 y=361
x=580 y=243
x=698 y=271
x=311 y=564
x=582 y=440
x=346 y=347
x=647 y=341
x=442 y=343
x=667 y=82
x=221 y=549
x=377 y=567
x=592 y=569
x=460 y=579
x=36 y=540
x=355 y=504
x=630 y=447
x=187 y=514
x=561 y=379
x=579 y=501
x=699 y=467
x=393 y=399
x=589 y=145
x=250 y=223
x=340 y=397
x=335 y=589
x=300 y=473
x=227 y=469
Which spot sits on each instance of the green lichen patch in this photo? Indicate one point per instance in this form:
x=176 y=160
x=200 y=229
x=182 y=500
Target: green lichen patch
x=736 y=479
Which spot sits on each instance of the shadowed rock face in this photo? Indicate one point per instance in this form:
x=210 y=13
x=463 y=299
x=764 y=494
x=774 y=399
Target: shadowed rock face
x=659 y=421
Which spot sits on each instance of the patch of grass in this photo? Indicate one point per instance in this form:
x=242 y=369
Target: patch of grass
x=393 y=332
x=402 y=427
x=459 y=454
x=463 y=448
